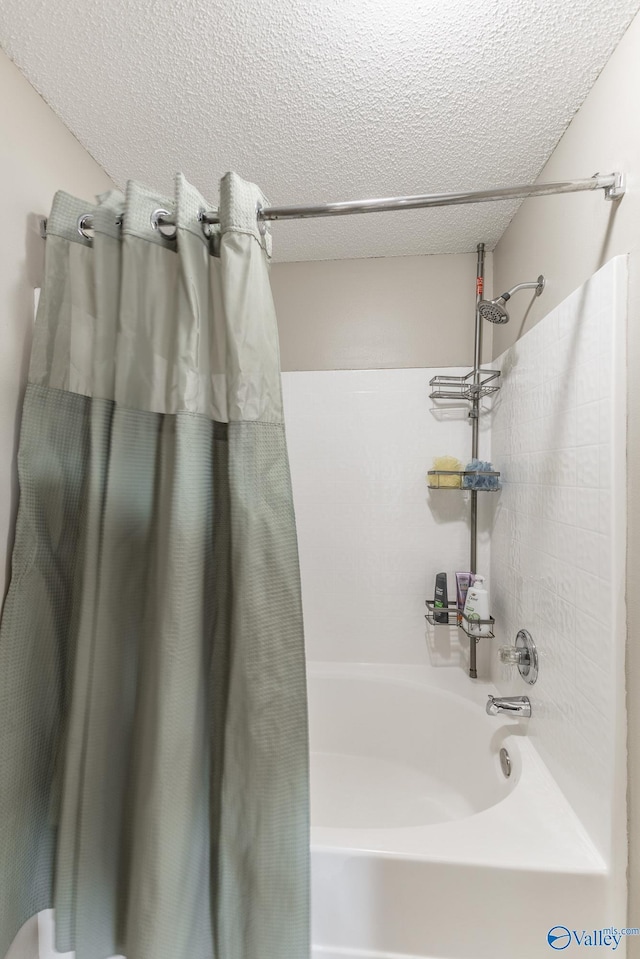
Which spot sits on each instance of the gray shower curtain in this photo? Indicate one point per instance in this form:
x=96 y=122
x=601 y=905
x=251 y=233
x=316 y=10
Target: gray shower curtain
x=153 y=732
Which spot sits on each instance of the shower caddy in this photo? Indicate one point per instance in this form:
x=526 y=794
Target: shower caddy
x=472 y=387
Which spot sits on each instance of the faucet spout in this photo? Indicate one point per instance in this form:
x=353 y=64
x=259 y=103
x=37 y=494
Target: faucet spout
x=509 y=705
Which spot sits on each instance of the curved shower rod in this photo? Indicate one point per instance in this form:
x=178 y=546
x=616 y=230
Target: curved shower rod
x=613 y=185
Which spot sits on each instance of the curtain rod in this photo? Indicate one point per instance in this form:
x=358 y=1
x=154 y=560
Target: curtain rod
x=613 y=185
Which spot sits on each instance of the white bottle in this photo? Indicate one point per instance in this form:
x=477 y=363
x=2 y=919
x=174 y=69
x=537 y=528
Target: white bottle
x=477 y=607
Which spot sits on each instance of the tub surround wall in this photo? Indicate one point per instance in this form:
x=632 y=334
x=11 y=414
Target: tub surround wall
x=558 y=545
x=568 y=238
x=371 y=536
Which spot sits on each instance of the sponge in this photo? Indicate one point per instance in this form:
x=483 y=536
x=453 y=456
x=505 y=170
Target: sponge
x=449 y=463
x=479 y=478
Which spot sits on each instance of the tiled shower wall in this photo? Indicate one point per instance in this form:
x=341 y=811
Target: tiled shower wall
x=370 y=534
x=557 y=548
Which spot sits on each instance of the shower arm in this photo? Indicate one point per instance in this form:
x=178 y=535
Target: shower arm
x=516 y=289
x=533 y=285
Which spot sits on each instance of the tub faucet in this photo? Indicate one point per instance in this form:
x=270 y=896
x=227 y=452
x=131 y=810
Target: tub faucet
x=510 y=705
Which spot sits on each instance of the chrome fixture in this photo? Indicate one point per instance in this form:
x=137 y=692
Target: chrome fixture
x=494 y=310
x=524 y=655
x=613 y=185
x=510 y=705
x=505 y=763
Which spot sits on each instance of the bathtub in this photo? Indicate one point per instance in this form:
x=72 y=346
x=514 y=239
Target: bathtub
x=420 y=848
x=420 y=845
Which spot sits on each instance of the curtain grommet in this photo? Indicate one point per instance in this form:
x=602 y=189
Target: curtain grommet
x=205 y=227
x=83 y=224
x=156 y=224
x=263 y=227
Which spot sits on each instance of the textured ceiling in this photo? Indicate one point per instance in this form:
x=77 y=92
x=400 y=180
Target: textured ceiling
x=323 y=101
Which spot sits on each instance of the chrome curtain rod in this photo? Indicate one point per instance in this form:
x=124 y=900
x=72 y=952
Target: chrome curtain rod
x=613 y=185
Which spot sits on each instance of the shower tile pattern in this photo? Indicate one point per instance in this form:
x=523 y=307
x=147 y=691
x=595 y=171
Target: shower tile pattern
x=370 y=534
x=557 y=547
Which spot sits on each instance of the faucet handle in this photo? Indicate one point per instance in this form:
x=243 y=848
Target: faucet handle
x=513 y=656
x=522 y=654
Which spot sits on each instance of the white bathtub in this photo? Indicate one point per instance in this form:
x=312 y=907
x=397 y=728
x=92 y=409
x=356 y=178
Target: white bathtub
x=421 y=849
x=420 y=846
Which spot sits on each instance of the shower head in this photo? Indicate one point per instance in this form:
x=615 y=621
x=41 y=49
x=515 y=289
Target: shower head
x=495 y=311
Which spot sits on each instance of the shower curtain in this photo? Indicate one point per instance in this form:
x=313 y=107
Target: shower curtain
x=153 y=731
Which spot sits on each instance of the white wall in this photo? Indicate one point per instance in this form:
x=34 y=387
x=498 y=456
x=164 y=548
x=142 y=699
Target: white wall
x=391 y=312
x=371 y=535
x=38 y=156
x=568 y=238
x=558 y=545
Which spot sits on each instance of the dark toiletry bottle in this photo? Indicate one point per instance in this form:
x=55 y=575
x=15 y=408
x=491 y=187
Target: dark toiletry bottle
x=441 y=599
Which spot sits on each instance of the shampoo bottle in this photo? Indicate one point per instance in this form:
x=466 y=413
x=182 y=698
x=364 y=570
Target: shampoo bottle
x=441 y=599
x=476 y=607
